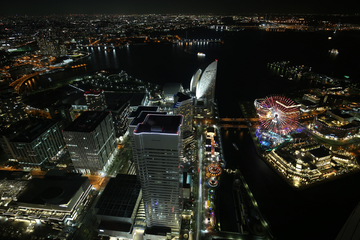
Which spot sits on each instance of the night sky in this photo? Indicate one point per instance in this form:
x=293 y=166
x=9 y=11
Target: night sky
x=47 y=7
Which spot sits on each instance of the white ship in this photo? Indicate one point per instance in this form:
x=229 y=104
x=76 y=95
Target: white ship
x=235 y=146
x=333 y=51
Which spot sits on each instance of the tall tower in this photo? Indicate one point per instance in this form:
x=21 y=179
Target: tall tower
x=158 y=143
x=95 y=100
x=91 y=141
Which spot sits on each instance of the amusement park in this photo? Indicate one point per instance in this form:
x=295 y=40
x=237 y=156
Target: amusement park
x=290 y=146
x=212 y=179
x=278 y=117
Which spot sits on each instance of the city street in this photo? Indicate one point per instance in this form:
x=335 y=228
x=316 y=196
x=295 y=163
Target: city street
x=199 y=212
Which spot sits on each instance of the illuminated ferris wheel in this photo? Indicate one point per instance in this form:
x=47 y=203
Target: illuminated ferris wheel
x=278 y=114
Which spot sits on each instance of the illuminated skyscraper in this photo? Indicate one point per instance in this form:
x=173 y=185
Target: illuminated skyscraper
x=137 y=117
x=36 y=145
x=91 y=141
x=158 y=144
x=95 y=100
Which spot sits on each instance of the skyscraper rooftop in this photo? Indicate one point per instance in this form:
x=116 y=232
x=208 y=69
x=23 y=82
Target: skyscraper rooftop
x=87 y=121
x=160 y=124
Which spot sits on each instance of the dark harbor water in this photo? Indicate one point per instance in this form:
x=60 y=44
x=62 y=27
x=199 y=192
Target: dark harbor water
x=315 y=213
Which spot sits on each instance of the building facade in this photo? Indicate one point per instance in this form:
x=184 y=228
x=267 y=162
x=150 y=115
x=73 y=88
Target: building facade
x=158 y=143
x=91 y=141
x=37 y=145
x=95 y=100
x=53 y=199
x=51 y=45
x=137 y=117
x=206 y=85
x=184 y=106
x=12 y=108
x=120 y=112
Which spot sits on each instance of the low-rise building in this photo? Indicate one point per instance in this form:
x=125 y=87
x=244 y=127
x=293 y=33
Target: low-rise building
x=117 y=207
x=54 y=198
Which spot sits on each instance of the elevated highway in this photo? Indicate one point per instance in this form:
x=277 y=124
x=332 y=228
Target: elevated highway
x=230 y=122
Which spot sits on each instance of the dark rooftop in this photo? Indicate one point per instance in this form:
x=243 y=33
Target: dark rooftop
x=182 y=97
x=160 y=124
x=119 y=197
x=186 y=184
x=340 y=114
x=210 y=129
x=12 y=175
x=116 y=100
x=115 y=226
x=76 y=98
x=49 y=190
x=37 y=128
x=171 y=88
x=161 y=231
x=308 y=103
x=141 y=117
x=18 y=126
x=137 y=112
x=87 y=121
x=136 y=99
x=319 y=152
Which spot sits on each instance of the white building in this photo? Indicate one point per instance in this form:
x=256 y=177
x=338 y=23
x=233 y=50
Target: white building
x=91 y=141
x=158 y=143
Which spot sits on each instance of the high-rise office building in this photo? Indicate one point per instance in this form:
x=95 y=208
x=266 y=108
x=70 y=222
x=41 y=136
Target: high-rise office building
x=95 y=100
x=158 y=144
x=139 y=109
x=132 y=126
x=119 y=106
x=91 y=141
x=35 y=145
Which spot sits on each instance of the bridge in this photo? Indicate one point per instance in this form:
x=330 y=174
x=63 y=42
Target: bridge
x=19 y=82
x=230 y=122
x=238 y=119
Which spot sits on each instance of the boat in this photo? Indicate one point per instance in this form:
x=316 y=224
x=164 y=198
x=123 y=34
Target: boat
x=52 y=71
x=235 y=146
x=200 y=54
x=333 y=51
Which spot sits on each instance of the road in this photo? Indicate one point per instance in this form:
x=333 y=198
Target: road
x=199 y=217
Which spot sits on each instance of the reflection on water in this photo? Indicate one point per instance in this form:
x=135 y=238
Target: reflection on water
x=319 y=210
